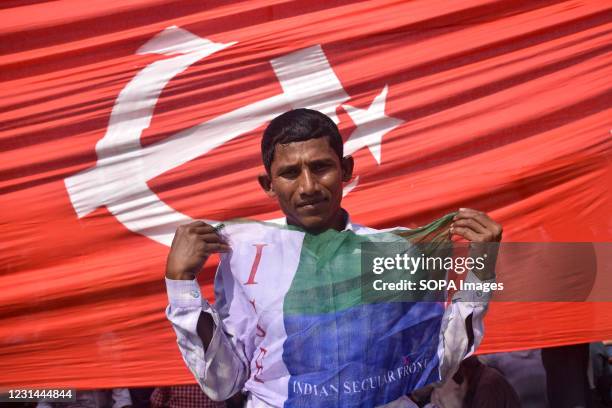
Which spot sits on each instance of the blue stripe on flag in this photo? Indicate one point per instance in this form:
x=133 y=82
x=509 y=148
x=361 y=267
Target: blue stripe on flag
x=363 y=356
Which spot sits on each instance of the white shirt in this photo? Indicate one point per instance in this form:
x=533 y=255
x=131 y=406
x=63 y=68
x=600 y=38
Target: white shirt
x=229 y=363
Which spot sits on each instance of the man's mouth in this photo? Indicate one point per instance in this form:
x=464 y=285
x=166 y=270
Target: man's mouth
x=311 y=204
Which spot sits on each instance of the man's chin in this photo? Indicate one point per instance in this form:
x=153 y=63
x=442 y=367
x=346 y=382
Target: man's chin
x=312 y=224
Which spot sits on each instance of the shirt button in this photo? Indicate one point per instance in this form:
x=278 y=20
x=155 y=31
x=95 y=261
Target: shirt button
x=479 y=293
x=195 y=294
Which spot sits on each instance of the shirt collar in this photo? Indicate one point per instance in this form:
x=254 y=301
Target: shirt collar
x=348 y=223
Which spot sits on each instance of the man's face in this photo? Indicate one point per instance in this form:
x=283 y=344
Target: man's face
x=306 y=179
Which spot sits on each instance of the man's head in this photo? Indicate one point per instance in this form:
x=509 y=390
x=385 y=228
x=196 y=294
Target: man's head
x=302 y=153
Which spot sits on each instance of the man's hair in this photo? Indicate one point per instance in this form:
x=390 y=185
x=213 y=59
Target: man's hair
x=299 y=125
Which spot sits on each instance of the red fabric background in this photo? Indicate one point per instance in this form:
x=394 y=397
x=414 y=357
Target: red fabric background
x=505 y=108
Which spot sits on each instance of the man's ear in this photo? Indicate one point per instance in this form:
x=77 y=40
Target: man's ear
x=347 y=168
x=266 y=184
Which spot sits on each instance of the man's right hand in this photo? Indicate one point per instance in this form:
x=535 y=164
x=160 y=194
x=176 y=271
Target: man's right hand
x=192 y=245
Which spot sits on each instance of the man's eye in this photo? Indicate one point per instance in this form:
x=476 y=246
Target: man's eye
x=290 y=174
x=320 y=168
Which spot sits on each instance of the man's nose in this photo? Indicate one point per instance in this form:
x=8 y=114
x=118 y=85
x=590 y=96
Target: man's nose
x=308 y=183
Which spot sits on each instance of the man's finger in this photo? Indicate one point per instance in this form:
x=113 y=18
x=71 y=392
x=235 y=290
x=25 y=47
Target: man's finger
x=471 y=224
x=481 y=217
x=202 y=228
x=466 y=233
x=467 y=210
x=211 y=248
x=197 y=223
x=211 y=237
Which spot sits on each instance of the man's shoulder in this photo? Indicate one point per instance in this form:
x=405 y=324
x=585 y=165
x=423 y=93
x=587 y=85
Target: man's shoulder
x=365 y=230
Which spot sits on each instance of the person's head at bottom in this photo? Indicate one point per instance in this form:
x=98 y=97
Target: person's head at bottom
x=302 y=152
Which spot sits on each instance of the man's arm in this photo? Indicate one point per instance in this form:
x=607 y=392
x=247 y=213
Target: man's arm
x=214 y=359
x=462 y=325
x=192 y=245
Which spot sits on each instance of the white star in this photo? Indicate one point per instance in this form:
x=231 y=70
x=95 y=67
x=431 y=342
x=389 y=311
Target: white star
x=372 y=124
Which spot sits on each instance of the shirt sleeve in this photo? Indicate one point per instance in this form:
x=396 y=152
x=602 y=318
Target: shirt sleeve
x=222 y=369
x=462 y=326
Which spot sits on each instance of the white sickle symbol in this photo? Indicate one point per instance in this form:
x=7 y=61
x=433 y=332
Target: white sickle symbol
x=119 y=179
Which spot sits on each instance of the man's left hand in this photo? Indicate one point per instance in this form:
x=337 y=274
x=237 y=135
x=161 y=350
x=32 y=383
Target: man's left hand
x=475 y=226
x=484 y=235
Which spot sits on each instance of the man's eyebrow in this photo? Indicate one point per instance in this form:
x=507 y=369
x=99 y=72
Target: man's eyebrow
x=292 y=166
x=322 y=161
x=284 y=167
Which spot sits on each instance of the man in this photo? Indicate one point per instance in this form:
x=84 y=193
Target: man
x=256 y=339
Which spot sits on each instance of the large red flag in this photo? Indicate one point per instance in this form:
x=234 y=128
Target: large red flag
x=121 y=120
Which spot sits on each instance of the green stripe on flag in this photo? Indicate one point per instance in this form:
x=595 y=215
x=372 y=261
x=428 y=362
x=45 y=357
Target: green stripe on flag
x=329 y=276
